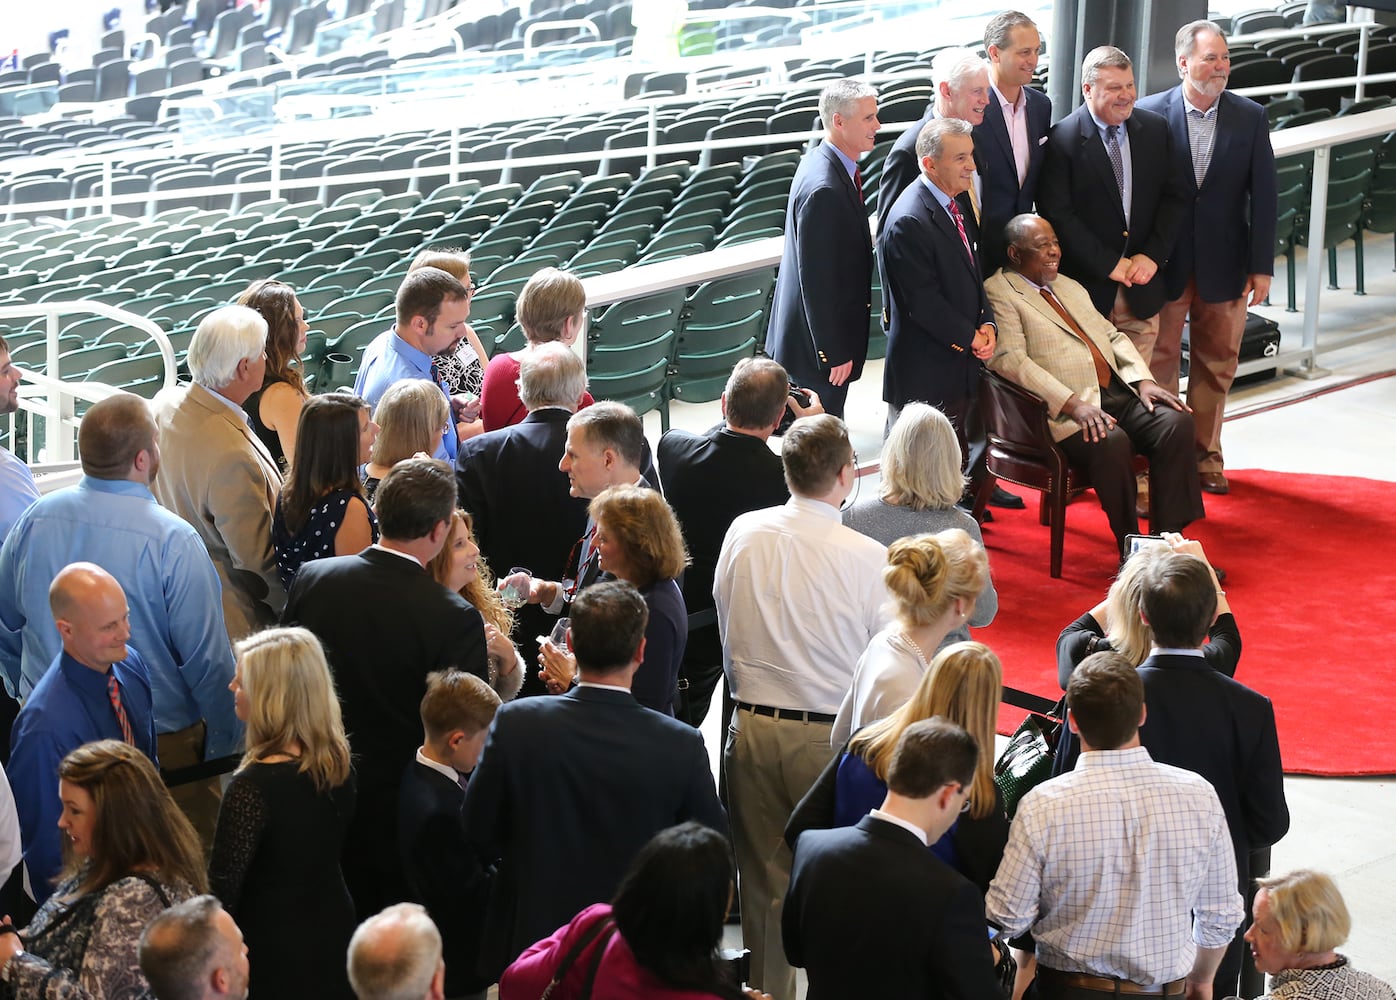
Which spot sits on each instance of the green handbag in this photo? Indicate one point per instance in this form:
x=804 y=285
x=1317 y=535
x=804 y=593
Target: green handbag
x=1027 y=760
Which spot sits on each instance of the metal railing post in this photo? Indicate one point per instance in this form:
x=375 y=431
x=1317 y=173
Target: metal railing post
x=1313 y=264
x=274 y=191
x=652 y=136
x=1362 y=43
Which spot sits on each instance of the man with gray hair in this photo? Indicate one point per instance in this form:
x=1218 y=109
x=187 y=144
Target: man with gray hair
x=510 y=482
x=1110 y=190
x=822 y=304
x=396 y=955
x=1225 y=252
x=216 y=474
x=961 y=91
x=195 y=951
x=939 y=324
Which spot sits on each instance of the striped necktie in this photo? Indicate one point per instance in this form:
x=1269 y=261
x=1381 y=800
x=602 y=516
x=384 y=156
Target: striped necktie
x=114 y=695
x=960 y=225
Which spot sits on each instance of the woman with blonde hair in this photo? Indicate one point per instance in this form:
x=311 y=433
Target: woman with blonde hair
x=637 y=539
x=921 y=484
x=1300 y=920
x=464 y=371
x=552 y=306
x=934 y=581
x=129 y=853
x=275 y=408
x=459 y=566
x=1116 y=624
x=282 y=823
x=410 y=418
x=963 y=685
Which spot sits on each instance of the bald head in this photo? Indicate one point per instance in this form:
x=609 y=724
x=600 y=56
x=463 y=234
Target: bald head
x=112 y=436
x=396 y=955
x=89 y=608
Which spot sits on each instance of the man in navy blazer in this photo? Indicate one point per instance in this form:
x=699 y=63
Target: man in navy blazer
x=823 y=297
x=1011 y=141
x=940 y=327
x=870 y=911
x=961 y=91
x=569 y=788
x=1109 y=190
x=1224 y=256
x=510 y=483
x=1208 y=723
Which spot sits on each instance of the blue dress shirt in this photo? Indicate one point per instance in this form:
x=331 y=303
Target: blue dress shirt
x=67 y=708
x=858 y=791
x=17 y=491
x=388 y=359
x=171 y=588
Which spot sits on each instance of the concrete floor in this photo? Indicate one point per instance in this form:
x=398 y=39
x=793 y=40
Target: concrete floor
x=1342 y=826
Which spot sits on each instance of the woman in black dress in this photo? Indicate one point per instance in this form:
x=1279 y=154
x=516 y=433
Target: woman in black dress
x=275 y=408
x=276 y=849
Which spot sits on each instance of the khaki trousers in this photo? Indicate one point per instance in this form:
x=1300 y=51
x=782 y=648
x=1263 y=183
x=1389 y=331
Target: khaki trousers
x=200 y=800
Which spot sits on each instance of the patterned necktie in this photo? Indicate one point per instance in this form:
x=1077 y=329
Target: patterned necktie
x=858 y=180
x=114 y=694
x=960 y=225
x=1102 y=367
x=1117 y=162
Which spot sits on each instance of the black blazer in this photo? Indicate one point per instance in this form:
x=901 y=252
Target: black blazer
x=385 y=624
x=442 y=873
x=1228 y=230
x=1004 y=197
x=978 y=842
x=1206 y=722
x=709 y=480
x=935 y=299
x=872 y=913
x=1079 y=196
x=510 y=483
x=823 y=295
x=567 y=791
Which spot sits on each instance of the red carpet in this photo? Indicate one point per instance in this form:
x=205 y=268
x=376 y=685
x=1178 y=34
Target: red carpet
x=1311 y=564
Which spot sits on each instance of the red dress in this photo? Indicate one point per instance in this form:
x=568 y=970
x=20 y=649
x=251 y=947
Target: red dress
x=500 y=405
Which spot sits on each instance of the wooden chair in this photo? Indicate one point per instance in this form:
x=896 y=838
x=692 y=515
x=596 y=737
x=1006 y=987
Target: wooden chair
x=1021 y=451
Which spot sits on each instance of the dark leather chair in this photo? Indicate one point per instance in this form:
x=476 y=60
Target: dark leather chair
x=1021 y=451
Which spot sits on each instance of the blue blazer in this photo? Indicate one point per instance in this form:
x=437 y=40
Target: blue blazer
x=935 y=301
x=1004 y=197
x=1229 y=233
x=823 y=296
x=1079 y=196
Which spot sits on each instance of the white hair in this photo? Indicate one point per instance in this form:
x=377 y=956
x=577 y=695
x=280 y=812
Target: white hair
x=225 y=337
x=954 y=67
x=394 y=955
x=839 y=96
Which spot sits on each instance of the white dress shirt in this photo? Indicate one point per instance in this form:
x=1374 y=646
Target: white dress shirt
x=1015 y=119
x=1108 y=865
x=798 y=596
x=909 y=827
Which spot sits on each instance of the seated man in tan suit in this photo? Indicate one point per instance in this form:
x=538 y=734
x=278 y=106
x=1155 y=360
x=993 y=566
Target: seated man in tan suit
x=214 y=472
x=1100 y=395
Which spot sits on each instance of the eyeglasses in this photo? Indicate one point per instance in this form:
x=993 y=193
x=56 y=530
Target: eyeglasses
x=470 y=289
x=964 y=806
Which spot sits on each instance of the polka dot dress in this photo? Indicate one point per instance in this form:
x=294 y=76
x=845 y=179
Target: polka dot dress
x=316 y=538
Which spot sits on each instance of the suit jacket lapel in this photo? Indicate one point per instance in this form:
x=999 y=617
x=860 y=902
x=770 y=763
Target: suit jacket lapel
x=1220 y=144
x=1176 y=112
x=1037 y=302
x=837 y=166
x=997 y=128
x=1093 y=149
x=941 y=217
x=222 y=412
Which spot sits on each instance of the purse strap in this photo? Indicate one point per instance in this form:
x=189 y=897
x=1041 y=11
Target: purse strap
x=606 y=925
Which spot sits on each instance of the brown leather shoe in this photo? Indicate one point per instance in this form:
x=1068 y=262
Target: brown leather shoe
x=1214 y=482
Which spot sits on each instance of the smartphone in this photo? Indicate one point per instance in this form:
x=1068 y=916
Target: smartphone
x=1137 y=542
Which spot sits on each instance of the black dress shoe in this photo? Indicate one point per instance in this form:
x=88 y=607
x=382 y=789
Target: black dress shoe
x=1009 y=501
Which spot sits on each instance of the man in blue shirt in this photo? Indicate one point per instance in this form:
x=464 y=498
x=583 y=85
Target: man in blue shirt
x=432 y=308
x=17 y=489
x=111 y=518
x=96 y=689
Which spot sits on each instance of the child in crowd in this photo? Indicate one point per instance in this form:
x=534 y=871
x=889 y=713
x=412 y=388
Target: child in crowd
x=442 y=871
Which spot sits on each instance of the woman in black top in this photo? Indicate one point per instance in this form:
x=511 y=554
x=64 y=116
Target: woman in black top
x=276 y=849
x=275 y=408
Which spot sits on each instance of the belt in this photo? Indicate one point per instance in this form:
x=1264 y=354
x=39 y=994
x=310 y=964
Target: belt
x=786 y=713
x=1104 y=984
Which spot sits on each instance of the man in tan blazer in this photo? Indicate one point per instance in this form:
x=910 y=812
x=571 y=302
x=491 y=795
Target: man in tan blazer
x=214 y=472
x=1100 y=395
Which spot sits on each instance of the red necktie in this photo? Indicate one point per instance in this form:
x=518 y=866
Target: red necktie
x=114 y=693
x=960 y=225
x=858 y=180
x=1102 y=367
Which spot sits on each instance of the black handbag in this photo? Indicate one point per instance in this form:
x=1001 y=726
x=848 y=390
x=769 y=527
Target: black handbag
x=603 y=928
x=1027 y=760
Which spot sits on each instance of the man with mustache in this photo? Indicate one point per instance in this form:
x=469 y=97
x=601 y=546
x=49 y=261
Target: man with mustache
x=1223 y=259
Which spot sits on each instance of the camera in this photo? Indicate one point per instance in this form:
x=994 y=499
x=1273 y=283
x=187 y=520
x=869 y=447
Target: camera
x=800 y=396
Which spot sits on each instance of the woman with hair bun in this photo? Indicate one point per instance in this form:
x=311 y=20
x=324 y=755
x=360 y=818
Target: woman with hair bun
x=934 y=581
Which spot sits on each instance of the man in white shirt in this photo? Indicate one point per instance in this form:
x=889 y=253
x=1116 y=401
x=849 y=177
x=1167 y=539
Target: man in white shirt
x=798 y=598
x=1123 y=868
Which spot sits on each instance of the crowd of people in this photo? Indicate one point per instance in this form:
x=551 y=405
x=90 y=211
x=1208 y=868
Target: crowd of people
x=462 y=629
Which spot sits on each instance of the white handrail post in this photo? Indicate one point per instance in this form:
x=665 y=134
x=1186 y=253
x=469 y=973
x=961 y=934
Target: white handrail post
x=275 y=190
x=1362 y=42
x=106 y=186
x=455 y=154
x=652 y=136
x=1313 y=264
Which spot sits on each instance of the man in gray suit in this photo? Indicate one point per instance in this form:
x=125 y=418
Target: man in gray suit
x=214 y=472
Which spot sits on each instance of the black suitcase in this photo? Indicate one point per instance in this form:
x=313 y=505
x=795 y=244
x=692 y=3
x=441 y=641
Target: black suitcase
x=1260 y=339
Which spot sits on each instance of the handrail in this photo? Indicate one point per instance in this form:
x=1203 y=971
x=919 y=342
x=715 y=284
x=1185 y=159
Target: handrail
x=56 y=402
x=540 y=26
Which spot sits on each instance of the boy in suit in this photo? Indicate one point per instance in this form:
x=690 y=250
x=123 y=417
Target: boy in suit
x=442 y=873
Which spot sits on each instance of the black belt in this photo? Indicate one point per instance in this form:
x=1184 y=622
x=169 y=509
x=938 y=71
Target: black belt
x=786 y=713
x=1113 y=987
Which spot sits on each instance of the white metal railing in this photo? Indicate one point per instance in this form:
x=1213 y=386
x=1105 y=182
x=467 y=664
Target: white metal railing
x=47 y=395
